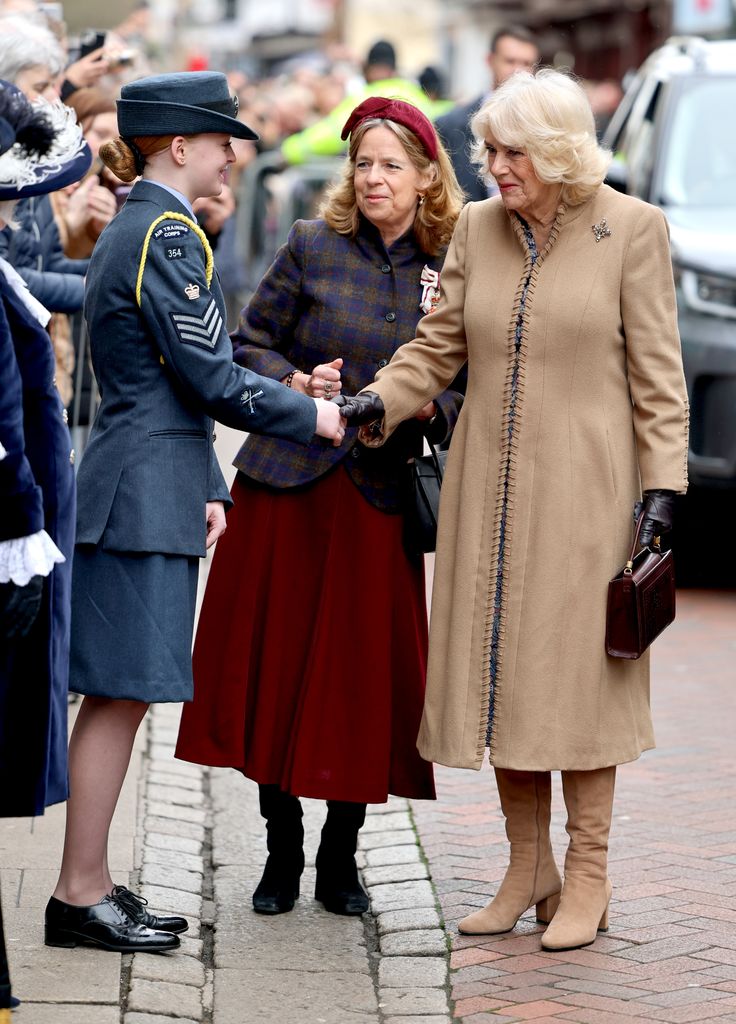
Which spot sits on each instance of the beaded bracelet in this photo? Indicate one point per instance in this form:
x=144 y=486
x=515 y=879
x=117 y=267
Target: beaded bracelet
x=290 y=378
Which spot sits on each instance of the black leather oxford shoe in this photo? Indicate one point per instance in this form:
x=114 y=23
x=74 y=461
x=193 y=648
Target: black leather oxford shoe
x=135 y=907
x=105 y=924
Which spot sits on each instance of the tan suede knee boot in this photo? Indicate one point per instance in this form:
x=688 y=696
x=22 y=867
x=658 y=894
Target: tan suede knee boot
x=583 y=910
x=532 y=876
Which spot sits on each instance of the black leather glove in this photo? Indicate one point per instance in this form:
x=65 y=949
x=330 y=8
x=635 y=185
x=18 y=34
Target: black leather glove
x=659 y=511
x=363 y=408
x=19 y=606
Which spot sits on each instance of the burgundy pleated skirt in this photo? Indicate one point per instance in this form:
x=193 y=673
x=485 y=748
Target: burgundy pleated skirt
x=310 y=656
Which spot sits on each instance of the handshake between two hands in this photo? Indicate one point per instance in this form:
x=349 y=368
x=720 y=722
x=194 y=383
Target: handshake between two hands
x=335 y=411
x=333 y=416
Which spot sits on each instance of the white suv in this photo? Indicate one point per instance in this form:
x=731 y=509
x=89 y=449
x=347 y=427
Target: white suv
x=674 y=144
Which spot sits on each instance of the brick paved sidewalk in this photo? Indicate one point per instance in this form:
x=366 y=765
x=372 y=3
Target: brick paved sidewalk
x=670 y=953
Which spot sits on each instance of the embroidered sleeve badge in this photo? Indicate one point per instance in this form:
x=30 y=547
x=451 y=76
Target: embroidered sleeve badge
x=199 y=330
x=430 y=282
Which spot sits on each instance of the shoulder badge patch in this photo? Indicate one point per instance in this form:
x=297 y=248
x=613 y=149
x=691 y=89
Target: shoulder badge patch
x=165 y=230
x=172 y=229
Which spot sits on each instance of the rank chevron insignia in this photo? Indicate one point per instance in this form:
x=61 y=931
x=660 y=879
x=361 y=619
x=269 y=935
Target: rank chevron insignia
x=201 y=330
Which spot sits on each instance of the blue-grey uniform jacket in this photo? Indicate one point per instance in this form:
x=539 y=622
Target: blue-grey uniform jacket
x=163 y=363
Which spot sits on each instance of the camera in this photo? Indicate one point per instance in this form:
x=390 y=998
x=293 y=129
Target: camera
x=90 y=41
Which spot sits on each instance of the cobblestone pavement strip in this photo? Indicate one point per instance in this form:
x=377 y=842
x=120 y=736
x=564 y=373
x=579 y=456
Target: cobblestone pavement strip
x=238 y=967
x=670 y=953
x=191 y=840
x=60 y=986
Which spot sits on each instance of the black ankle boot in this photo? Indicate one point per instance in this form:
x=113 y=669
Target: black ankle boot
x=337 y=885
x=279 y=885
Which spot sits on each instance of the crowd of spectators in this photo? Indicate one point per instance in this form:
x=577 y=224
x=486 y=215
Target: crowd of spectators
x=296 y=107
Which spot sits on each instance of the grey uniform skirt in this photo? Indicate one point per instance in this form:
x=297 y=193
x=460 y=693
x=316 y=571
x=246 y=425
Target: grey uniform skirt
x=132 y=622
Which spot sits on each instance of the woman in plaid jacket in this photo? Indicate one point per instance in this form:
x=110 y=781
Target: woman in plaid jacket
x=304 y=693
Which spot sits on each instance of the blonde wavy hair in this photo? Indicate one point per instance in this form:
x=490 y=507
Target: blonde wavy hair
x=547 y=116
x=435 y=218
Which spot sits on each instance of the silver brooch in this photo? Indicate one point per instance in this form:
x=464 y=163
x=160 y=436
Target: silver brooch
x=601 y=230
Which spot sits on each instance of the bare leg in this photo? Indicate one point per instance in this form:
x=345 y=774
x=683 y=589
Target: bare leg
x=99 y=754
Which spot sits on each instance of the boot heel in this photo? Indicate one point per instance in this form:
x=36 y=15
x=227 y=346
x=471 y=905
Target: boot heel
x=59 y=937
x=547 y=908
x=603 y=926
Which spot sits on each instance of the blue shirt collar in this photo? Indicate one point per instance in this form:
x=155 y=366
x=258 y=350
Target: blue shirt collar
x=176 y=194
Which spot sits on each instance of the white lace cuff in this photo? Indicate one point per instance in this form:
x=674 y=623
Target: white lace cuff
x=24 y=557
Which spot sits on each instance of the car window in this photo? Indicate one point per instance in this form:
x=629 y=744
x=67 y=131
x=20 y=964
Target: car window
x=640 y=145
x=616 y=131
x=699 y=158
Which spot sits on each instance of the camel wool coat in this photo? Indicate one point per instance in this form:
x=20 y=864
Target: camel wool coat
x=557 y=444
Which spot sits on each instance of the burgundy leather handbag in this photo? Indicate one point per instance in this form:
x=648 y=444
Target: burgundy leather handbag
x=641 y=600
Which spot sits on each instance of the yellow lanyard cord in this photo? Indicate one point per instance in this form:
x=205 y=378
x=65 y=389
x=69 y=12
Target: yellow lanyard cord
x=209 y=265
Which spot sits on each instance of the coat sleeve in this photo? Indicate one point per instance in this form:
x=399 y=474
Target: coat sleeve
x=420 y=370
x=53 y=252
x=20 y=497
x=654 y=359
x=59 y=293
x=266 y=327
x=186 y=318
x=217 y=489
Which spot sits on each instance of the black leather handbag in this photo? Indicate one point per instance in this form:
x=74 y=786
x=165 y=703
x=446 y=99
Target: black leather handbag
x=641 y=600
x=421 y=507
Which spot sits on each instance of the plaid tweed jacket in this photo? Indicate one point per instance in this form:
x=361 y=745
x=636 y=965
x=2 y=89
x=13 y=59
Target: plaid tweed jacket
x=326 y=296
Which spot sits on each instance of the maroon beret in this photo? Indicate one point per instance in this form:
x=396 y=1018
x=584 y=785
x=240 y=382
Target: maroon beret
x=395 y=110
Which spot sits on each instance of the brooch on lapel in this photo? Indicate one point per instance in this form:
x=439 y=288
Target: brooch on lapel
x=601 y=230
x=430 y=282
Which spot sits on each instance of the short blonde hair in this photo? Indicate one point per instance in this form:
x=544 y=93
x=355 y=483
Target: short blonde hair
x=546 y=115
x=435 y=218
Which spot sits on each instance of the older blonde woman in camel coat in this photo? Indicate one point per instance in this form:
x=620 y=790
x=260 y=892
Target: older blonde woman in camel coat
x=559 y=293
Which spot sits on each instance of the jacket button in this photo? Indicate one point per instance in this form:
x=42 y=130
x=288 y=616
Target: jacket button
x=72 y=457
x=355 y=453
x=390 y=317
x=386 y=268
x=382 y=363
x=214 y=436
x=65 y=415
